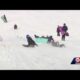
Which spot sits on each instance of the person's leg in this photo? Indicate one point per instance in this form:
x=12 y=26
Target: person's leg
x=63 y=37
x=33 y=44
x=30 y=45
x=58 y=33
x=36 y=44
x=57 y=43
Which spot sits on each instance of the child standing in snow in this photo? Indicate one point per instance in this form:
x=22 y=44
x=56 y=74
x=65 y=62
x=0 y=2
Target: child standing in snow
x=63 y=30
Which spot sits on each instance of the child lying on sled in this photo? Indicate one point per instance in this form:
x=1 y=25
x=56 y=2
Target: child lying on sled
x=56 y=44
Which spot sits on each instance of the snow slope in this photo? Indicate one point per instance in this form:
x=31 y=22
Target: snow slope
x=14 y=56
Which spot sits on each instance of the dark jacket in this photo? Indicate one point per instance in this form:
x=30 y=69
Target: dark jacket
x=15 y=26
x=50 y=38
x=30 y=41
x=65 y=28
x=58 y=30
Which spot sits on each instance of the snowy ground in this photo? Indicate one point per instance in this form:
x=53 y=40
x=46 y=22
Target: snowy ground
x=14 y=56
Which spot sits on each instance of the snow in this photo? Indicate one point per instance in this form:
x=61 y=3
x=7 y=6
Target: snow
x=13 y=56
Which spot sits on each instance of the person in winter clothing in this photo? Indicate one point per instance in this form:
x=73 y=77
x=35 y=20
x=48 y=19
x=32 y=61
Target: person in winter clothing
x=64 y=28
x=56 y=44
x=31 y=42
x=15 y=26
x=50 y=38
x=36 y=36
x=58 y=30
x=64 y=31
x=4 y=18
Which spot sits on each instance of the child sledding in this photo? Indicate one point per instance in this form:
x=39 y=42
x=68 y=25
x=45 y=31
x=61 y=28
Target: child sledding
x=61 y=30
x=50 y=40
x=57 y=44
x=31 y=42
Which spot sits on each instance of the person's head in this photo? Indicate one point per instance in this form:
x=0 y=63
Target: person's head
x=64 y=24
x=58 y=25
x=50 y=36
x=35 y=35
x=15 y=24
x=27 y=36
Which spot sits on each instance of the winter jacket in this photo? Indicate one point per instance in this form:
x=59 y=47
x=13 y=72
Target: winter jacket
x=65 y=28
x=30 y=41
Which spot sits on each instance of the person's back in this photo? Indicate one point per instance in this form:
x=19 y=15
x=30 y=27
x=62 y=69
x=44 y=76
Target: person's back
x=30 y=41
x=64 y=31
x=64 y=28
x=59 y=29
x=50 y=38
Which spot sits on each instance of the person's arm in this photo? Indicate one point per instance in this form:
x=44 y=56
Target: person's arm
x=67 y=27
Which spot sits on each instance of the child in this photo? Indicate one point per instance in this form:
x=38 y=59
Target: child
x=31 y=42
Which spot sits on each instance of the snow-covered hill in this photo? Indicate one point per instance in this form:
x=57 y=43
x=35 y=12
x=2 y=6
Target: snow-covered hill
x=14 y=56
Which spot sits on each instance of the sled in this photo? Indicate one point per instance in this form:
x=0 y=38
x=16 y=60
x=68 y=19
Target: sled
x=41 y=40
